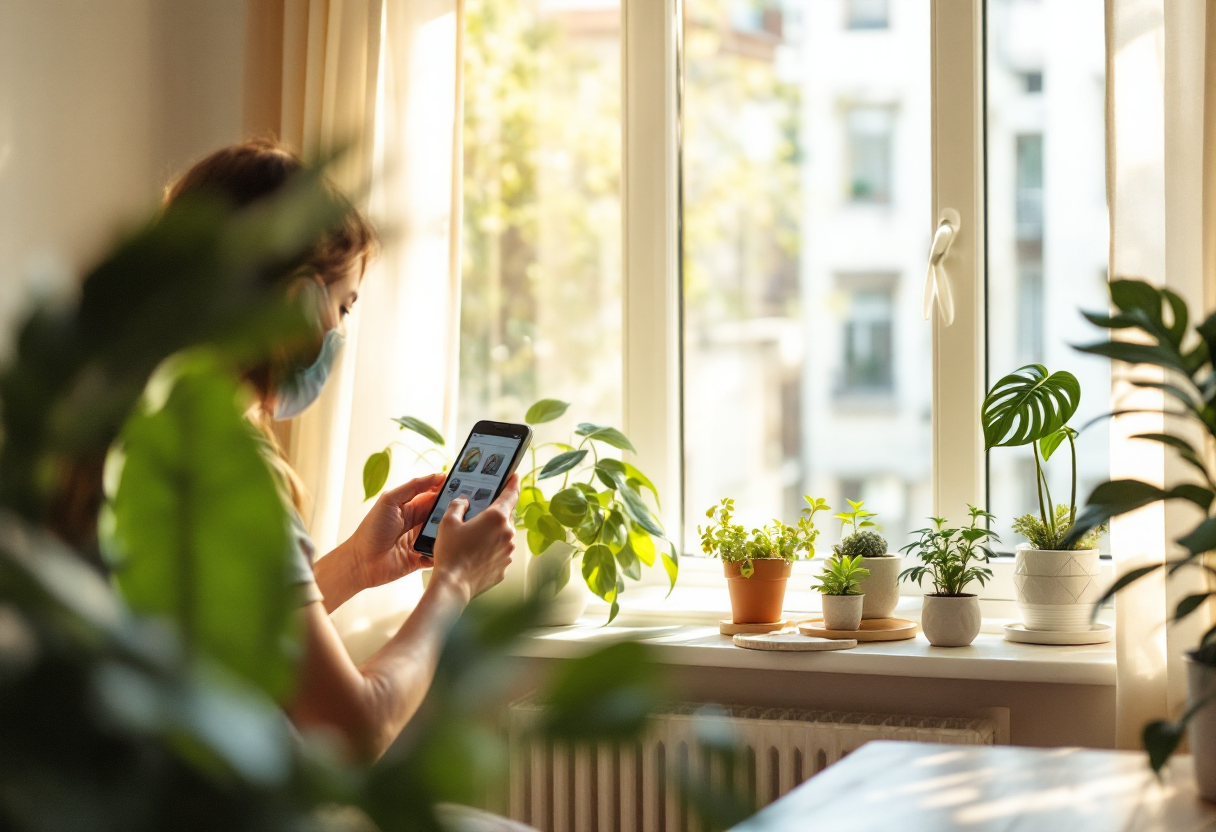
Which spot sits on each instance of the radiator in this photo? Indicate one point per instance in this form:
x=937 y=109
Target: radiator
x=609 y=787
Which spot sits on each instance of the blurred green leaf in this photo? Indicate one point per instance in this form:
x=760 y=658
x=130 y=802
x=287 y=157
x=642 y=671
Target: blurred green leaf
x=421 y=428
x=200 y=530
x=561 y=463
x=606 y=695
x=671 y=563
x=545 y=410
x=375 y=472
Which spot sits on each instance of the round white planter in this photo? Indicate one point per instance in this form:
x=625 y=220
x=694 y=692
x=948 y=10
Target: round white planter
x=558 y=567
x=1201 y=731
x=950 y=620
x=881 y=588
x=1056 y=590
x=842 y=612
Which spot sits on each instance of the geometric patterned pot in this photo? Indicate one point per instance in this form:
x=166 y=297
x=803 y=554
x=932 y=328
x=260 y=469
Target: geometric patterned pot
x=1056 y=590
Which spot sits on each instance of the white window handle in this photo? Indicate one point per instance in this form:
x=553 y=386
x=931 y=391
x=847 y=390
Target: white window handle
x=937 y=282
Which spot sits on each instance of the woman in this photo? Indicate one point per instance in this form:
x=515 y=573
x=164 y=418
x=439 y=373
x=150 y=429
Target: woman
x=366 y=705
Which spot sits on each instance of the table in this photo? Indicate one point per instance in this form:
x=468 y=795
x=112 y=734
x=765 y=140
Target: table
x=918 y=787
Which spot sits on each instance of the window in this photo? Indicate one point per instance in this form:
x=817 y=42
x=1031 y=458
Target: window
x=800 y=312
x=869 y=153
x=867 y=14
x=541 y=300
x=1047 y=225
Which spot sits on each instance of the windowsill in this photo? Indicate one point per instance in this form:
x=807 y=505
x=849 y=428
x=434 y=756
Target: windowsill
x=683 y=629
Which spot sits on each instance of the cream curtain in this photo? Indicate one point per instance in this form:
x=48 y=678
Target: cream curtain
x=1161 y=179
x=384 y=78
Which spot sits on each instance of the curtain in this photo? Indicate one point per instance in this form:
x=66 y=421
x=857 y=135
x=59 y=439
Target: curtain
x=382 y=79
x=1161 y=184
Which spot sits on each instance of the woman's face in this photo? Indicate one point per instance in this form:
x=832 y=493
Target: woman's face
x=339 y=297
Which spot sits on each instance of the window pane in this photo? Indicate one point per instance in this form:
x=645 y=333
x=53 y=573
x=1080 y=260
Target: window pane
x=807 y=191
x=541 y=295
x=1047 y=226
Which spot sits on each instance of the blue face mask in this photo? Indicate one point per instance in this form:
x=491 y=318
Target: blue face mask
x=303 y=386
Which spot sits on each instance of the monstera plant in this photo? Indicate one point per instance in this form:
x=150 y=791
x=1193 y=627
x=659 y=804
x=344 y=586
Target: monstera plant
x=1187 y=378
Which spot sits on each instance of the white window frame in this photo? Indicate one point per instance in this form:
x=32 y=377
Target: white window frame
x=651 y=50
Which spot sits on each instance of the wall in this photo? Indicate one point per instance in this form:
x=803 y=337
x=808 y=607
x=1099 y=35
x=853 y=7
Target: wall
x=100 y=103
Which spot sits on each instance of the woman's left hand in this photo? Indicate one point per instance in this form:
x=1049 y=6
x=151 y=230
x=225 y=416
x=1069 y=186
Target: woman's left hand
x=382 y=548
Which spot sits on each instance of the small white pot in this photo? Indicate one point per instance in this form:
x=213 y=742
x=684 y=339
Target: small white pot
x=881 y=588
x=1201 y=731
x=556 y=571
x=842 y=612
x=950 y=620
x=1056 y=590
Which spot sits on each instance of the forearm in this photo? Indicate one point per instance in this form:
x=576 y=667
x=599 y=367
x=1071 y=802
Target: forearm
x=337 y=577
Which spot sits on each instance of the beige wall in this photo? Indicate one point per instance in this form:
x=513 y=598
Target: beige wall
x=100 y=102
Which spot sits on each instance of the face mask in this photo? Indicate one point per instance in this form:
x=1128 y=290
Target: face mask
x=303 y=386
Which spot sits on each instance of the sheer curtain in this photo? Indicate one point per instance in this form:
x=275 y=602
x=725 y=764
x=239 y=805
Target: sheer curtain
x=1161 y=181
x=383 y=78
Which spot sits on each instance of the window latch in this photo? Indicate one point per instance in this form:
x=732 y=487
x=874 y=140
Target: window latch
x=937 y=282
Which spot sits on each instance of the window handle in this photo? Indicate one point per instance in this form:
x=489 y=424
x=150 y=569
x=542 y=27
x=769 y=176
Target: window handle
x=937 y=282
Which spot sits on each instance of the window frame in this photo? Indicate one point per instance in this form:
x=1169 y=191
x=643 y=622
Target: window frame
x=652 y=384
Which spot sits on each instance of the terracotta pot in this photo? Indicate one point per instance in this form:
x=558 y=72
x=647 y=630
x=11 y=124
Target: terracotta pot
x=1056 y=590
x=881 y=588
x=950 y=620
x=758 y=599
x=1201 y=731
x=842 y=612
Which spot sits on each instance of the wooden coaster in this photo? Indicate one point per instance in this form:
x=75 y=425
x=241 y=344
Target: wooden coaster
x=873 y=629
x=792 y=643
x=729 y=628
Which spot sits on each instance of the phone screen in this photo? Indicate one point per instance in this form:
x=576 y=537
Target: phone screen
x=483 y=464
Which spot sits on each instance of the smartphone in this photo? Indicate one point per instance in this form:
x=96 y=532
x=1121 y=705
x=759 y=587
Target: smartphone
x=489 y=456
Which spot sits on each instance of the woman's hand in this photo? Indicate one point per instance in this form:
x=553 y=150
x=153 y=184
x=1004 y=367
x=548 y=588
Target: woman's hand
x=382 y=548
x=475 y=554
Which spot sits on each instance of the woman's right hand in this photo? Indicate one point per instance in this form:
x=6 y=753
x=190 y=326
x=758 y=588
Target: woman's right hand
x=476 y=553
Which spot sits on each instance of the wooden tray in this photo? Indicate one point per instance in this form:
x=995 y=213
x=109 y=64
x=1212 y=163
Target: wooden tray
x=791 y=643
x=729 y=628
x=874 y=629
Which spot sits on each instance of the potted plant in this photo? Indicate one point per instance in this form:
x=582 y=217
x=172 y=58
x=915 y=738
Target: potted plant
x=595 y=517
x=951 y=558
x=1055 y=573
x=840 y=588
x=881 y=588
x=758 y=565
x=1188 y=363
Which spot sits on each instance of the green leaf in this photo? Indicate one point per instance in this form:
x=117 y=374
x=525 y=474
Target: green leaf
x=561 y=463
x=637 y=511
x=200 y=532
x=616 y=530
x=604 y=696
x=537 y=542
x=1116 y=497
x=599 y=570
x=633 y=474
x=1126 y=580
x=421 y=428
x=1161 y=739
x=627 y=559
x=1049 y=443
x=1027 y=405
x=545 y=410
x=1201 y=539
x=548 y=526
x=588 y=531
x=609 y=436
x=529 y=516
x=529 y=495
x=569 y=506
x=642 y=544
x=1191 y=603
x=671 y=563
x=375 y=472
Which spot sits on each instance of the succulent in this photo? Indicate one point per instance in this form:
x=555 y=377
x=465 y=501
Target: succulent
x=861 y=544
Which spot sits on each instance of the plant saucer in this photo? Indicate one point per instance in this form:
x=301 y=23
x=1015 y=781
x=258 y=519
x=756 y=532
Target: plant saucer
x=1095 y=634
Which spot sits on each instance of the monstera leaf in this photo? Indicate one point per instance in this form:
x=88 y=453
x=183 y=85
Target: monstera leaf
x=1028 y=405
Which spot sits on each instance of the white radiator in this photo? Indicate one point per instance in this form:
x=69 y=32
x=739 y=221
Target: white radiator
x=609 y=787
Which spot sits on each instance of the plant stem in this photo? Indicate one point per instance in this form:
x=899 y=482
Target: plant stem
x=1040 y=484
x=1072 y=500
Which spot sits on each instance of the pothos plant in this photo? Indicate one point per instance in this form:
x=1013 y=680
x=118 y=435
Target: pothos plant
x=952 y=558
x=731 y=542
x=597 y=508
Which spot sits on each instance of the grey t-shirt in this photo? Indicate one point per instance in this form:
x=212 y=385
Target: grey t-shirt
x=302 y=554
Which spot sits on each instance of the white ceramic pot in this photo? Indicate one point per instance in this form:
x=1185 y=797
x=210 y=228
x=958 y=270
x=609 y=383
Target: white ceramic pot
x=950 y=620
x=1201 y=731
x=556 y=571
x=1056 y=590
x=881 y=588
x=842 y=612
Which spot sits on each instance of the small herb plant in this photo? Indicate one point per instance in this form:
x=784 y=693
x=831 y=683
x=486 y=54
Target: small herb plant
x=598 y=508
x=951 y=558
x=1031 y=407
x=842 y=575
x=732 y=543
x=861 y=543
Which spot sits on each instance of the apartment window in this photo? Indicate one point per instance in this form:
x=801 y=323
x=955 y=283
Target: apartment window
x=868 y=349
x=867 y=14
x=791 y=299
x=868 y=131
x=1047 y=226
